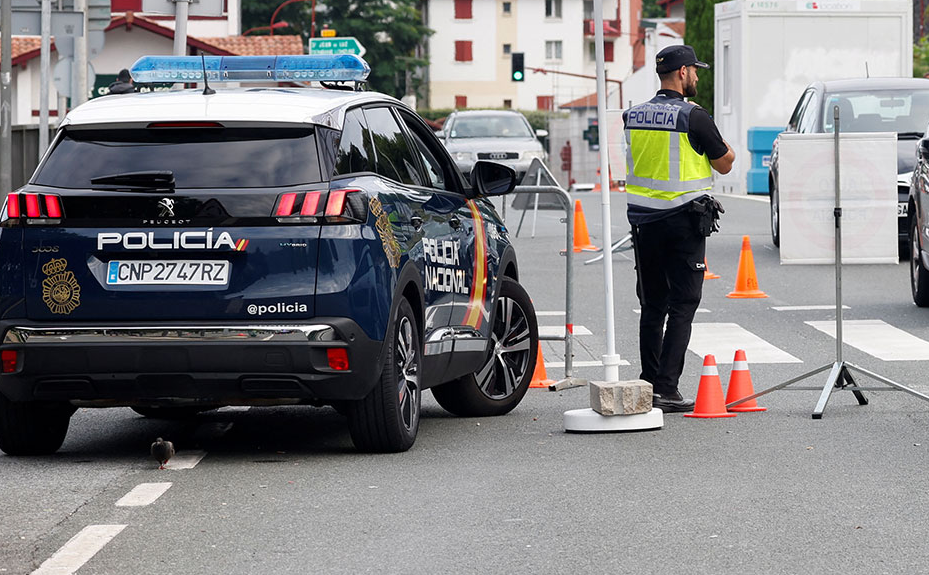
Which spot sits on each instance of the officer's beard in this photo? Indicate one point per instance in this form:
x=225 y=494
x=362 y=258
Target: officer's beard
x=690 y=89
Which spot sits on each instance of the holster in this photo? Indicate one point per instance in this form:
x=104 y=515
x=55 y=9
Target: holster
x=705 y=213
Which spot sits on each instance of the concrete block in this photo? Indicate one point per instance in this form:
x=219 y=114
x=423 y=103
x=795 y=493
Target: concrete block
x=621 y=397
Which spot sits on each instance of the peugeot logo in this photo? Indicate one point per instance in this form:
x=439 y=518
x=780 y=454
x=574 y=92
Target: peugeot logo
x=167 y=208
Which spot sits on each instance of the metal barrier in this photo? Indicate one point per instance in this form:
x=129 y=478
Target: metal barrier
x=569 y=380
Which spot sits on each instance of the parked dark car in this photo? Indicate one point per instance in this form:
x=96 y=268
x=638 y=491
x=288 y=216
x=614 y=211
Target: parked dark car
x=898 y=105
x=181 y=251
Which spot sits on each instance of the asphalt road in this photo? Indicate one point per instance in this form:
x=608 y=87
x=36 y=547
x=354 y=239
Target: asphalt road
x=281 y=490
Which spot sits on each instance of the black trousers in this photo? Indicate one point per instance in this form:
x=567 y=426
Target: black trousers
x=670 y=259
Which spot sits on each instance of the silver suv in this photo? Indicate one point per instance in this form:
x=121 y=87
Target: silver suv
x=502 y=136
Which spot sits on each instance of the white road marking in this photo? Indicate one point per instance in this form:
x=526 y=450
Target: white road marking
x=558 y=330
x=143 y=494
x=233 y=408
x=878 y=338
x=79 y=550
x=185 y=460
x=553 y=364
x=805 y=307
x=549 y=313
x=699 y=310
x=723 y=339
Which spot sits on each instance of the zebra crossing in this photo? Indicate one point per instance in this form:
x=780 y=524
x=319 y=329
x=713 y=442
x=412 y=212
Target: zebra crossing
x=874 y=337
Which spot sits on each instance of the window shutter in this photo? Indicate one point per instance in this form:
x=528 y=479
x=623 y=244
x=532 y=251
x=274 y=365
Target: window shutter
x=462 y=9
x=461 y=102
x=608 y=51
x=463 y=50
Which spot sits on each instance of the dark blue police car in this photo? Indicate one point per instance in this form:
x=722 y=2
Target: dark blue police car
x=180 y=251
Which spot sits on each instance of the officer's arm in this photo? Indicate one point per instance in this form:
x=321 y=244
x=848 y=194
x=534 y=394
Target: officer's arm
x=723 y=164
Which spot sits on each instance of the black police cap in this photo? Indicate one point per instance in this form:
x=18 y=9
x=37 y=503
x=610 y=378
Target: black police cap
x=673 y=57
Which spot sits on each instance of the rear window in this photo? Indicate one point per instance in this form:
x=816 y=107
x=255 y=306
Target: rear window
x=199 y=158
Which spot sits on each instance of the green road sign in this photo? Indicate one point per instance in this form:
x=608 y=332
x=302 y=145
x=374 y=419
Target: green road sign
x=346 y=45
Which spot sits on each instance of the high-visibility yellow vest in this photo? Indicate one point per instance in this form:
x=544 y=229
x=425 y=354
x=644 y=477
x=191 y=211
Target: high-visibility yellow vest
x=663 y=171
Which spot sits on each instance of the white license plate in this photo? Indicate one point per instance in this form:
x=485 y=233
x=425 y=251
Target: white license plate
x=161 y=272
x=901 y=209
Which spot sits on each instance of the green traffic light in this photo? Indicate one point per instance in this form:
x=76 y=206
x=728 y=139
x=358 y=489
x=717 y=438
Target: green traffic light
x=517 y=76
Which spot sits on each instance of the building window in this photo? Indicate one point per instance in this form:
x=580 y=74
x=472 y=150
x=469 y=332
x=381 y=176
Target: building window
x=508 y=104
x=553 y=8
x=553 y=49
x=507 y=8
x=588 y=9
x=462 y=9
x=607 y=51
x=545 y=103
x=462 y=50
x=461 y=102
x=507 y=49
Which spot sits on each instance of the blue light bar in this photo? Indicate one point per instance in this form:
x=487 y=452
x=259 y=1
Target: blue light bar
x=300 y=68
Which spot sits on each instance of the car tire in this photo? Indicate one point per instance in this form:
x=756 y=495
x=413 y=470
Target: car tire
x=175 y=413
x=501 y=382
x=919 y=275
x=775 y=213
x=387 y=420
x=33 y=428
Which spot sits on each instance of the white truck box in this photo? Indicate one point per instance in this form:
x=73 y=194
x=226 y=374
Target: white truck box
x=768 y=51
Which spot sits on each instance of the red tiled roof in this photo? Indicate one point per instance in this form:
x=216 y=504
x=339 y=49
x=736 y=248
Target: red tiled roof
x=258 y=45
x=589 y=101
x=678 y=27
x=25 y=48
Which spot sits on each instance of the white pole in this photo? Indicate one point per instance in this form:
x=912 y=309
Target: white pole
x=611 y=358
x=44 y=63
x=79 y=72
x=181 y=9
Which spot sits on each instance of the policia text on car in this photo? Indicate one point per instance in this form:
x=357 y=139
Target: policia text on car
x=673 y=146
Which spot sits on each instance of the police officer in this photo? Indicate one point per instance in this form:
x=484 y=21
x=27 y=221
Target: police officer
x=672 y=148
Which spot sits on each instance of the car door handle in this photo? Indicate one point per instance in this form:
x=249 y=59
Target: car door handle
x=455 y=222
x=417 y=222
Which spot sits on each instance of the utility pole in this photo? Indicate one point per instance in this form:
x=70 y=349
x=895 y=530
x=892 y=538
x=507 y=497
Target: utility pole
x=6 y=98
x=79 y=73
x=181 y=11
x=45 y=58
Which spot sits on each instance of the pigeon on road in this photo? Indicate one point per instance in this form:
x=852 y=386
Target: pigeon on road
x=162 y=451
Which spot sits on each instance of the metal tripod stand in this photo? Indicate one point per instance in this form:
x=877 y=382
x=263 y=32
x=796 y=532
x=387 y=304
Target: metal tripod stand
x=840 y=375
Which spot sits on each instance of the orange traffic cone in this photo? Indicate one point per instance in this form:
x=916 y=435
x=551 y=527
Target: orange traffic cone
x=581 y=237
x=710 y=393
x=539 y=377
x=740 y=384
x=746 y=282
x=707 y=274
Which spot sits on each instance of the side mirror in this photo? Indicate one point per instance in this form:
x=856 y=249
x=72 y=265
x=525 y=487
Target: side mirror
x=541 y=133
x=923 y=148
x=492 y=179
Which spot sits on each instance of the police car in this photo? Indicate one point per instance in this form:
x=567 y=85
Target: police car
x=180 y=251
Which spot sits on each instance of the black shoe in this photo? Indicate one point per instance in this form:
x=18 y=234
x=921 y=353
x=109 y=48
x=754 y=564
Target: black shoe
x=672 y=403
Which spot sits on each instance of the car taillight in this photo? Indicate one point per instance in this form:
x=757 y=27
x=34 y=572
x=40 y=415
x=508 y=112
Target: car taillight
x=337 y=357
x=8 y=359
x=36 y=208
x=340 y=206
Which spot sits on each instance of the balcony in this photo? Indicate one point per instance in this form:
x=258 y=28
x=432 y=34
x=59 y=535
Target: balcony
x=611 y=28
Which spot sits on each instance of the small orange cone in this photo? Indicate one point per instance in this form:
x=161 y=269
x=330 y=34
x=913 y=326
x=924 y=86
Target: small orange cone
x=539 y=377
x=710 y=393
x=746 y=282
x=581 y=237
x=740 y=384
x=707 y=274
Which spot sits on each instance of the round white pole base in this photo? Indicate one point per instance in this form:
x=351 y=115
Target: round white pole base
x=590 y=420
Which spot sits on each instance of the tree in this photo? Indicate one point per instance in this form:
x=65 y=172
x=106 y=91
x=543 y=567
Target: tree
x=921 y=58
x=699 y=33
x=651 y=9
x=392 y=32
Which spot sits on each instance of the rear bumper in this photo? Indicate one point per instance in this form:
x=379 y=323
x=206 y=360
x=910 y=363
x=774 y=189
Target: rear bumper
x=210 y=364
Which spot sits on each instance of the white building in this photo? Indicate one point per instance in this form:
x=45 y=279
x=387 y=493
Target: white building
x=470 y=51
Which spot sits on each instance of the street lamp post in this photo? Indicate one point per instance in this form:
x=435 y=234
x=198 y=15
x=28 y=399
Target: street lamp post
x=279 y=24
x=312 y=17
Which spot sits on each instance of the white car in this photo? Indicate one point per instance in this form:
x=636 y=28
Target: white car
x=502 y=136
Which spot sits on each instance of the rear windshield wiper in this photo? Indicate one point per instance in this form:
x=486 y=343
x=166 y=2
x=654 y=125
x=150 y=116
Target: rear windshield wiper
x=137 y=181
